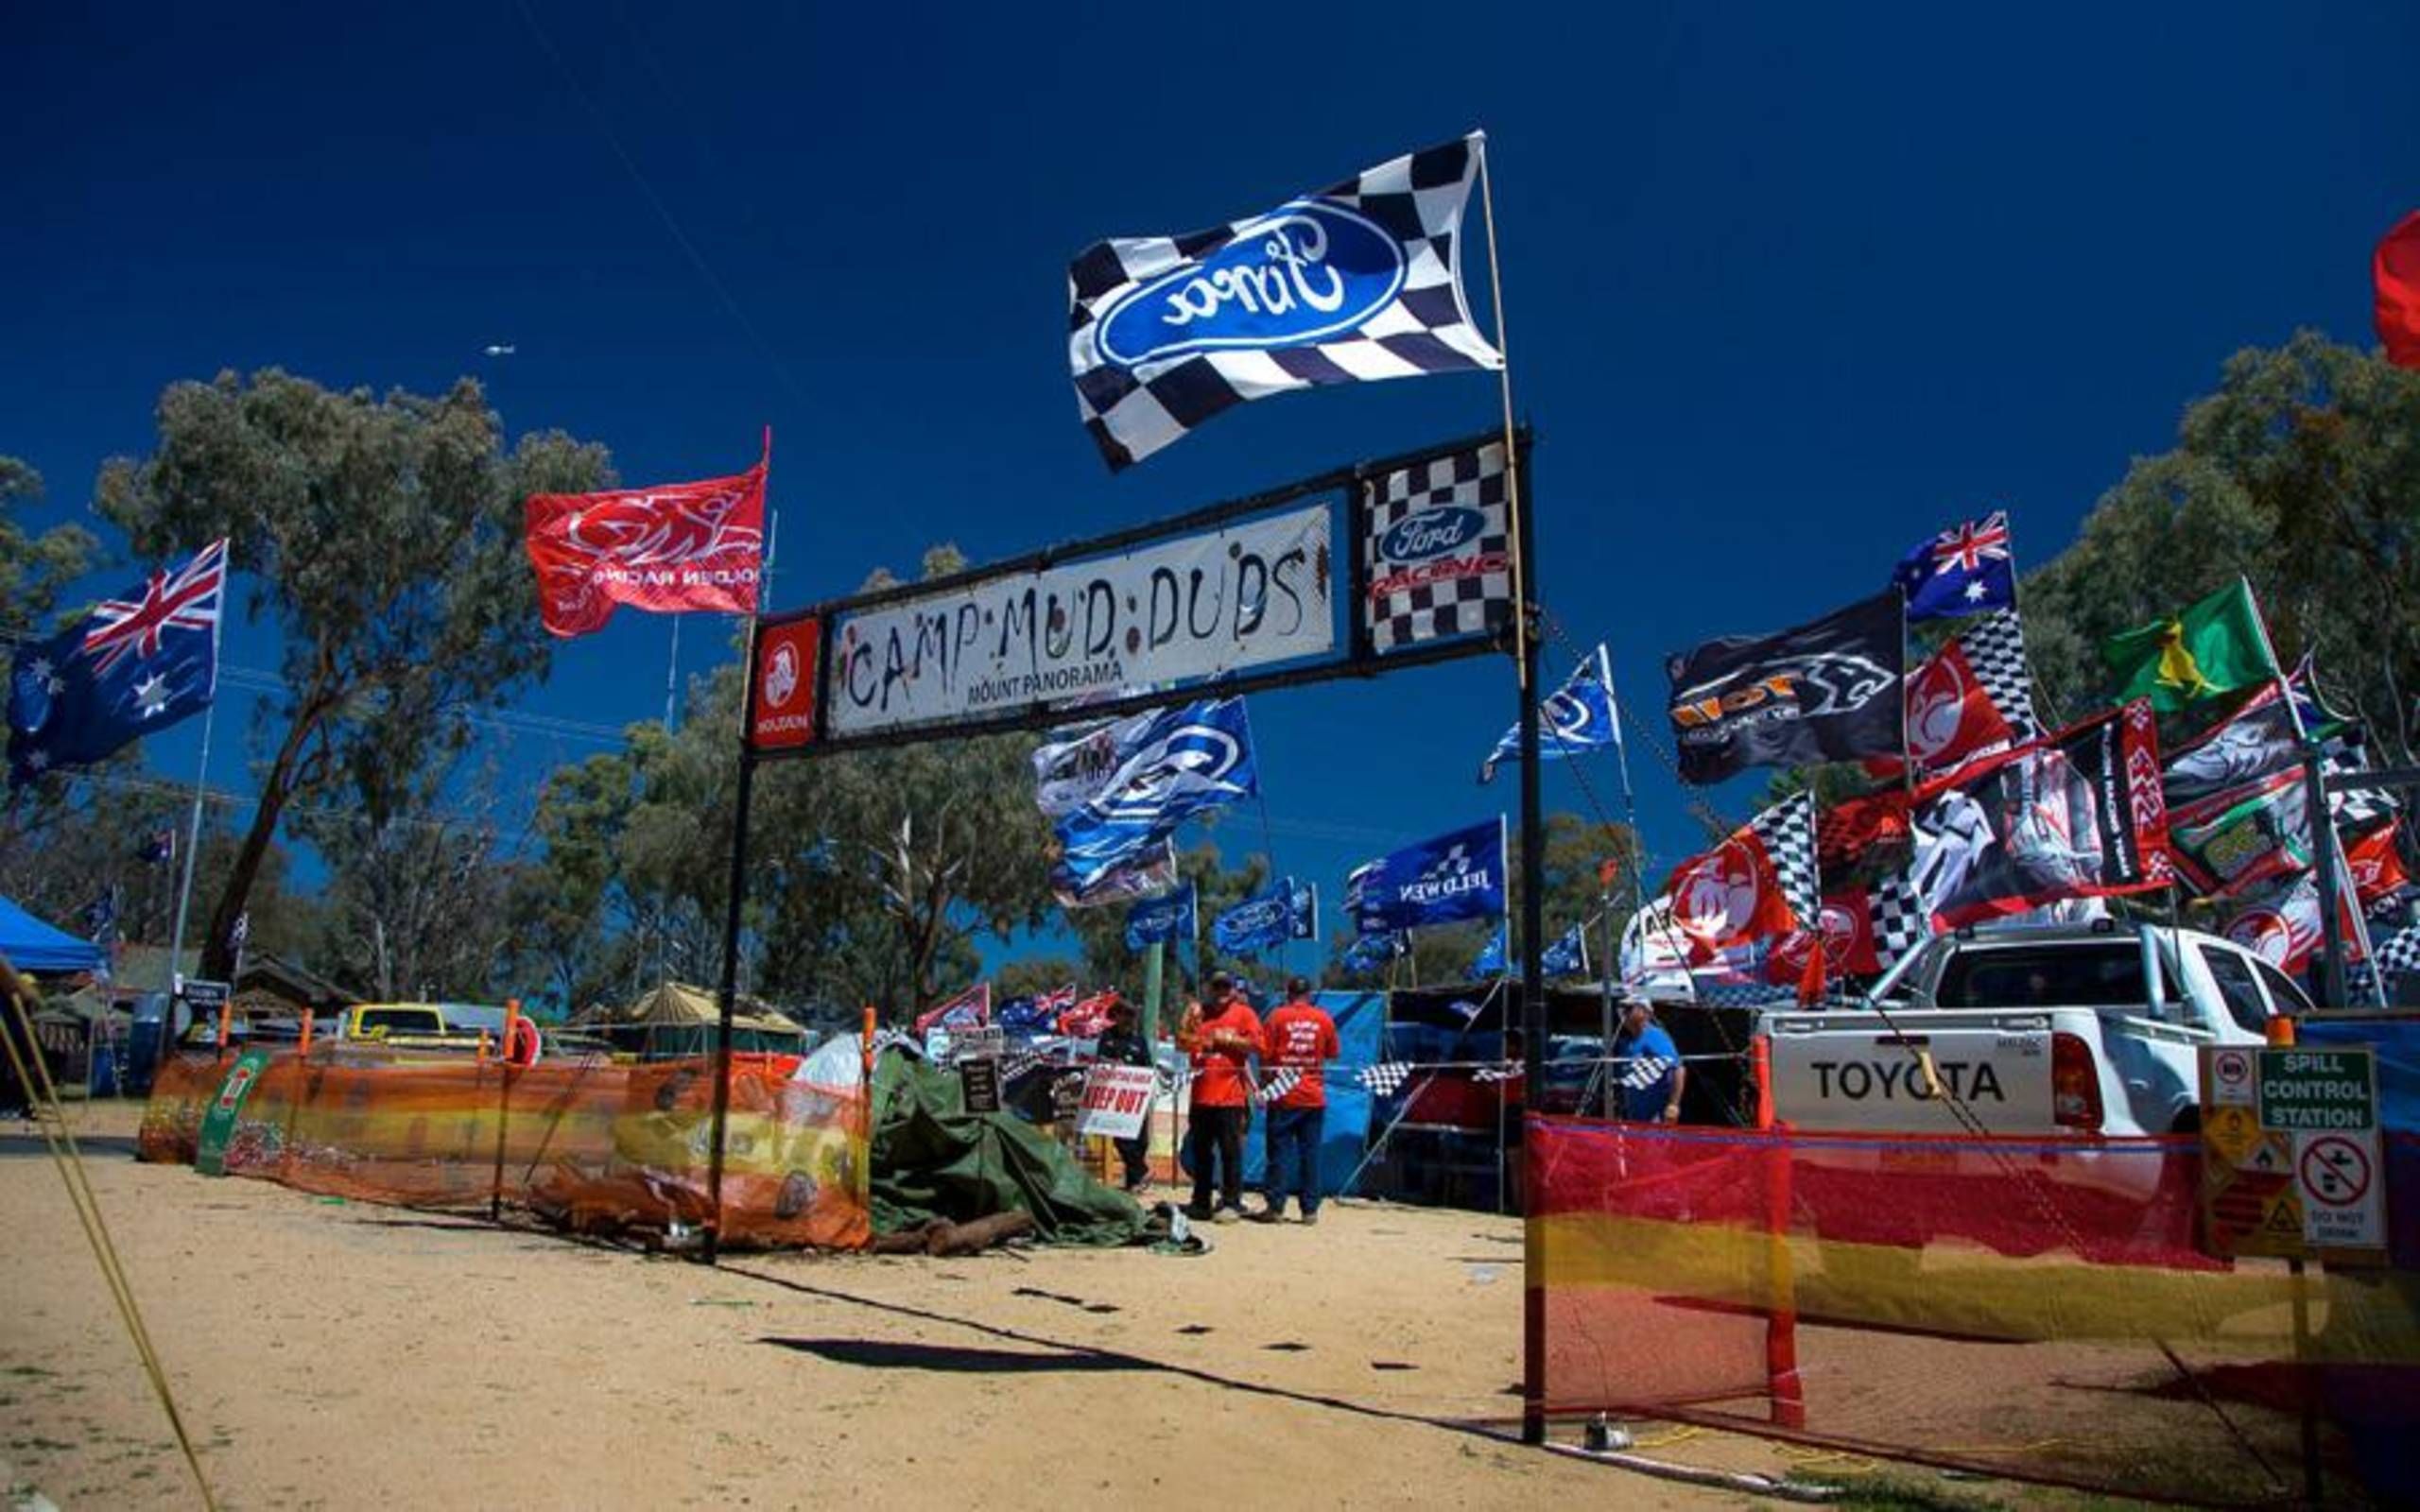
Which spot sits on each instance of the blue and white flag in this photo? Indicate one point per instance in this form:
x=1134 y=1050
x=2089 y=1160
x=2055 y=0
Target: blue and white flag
x=1169 y=917
x=1452 y=877
x=1965 y=570
x=1491 y=956
x=1370 y=952
x=1579 y=717
x=1568 y=956
x=1356 y=282
x=136 y=665
x=1181 y=763
x=1287 y=911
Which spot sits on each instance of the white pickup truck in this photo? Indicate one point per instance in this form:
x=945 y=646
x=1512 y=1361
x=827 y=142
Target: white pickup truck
x=2077 y=1030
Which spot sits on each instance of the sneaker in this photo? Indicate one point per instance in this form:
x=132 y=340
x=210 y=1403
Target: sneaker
x=1196 y=1212
x=1268 y=1215
x=1310 y=1217
x=1226 y=1215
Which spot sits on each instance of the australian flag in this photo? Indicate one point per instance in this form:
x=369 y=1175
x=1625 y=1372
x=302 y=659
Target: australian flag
x=1178 y=764
x=1452 y=877
x=136 y=665
x=1579 y=717
x=1965 y=570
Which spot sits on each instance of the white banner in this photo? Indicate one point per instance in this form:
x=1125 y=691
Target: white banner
x=1116 y=1100
x=1168 y=613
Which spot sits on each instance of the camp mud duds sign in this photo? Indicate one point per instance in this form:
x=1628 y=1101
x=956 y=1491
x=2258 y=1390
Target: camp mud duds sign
x=1169 y=612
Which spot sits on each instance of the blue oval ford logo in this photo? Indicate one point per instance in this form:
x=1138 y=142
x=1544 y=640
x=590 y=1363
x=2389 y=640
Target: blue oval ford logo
x=1299 y=274
x=1431 y=533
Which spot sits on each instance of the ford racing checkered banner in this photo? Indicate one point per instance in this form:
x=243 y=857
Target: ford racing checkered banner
x=1172 y=613
x=1359 y=282
x=1436 y=550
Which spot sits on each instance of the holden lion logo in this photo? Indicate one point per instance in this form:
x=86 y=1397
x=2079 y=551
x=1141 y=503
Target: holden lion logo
x=780 y=675
x=1718 y=897
x=1936 y=708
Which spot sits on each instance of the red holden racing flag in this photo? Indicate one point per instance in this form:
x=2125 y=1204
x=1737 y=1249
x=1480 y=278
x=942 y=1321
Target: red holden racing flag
x=667 y=549
x=2397 y=274
x=1757 y=884
x=2377 y=870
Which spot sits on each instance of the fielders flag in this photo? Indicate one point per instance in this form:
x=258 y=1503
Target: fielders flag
x=1824 y=692
x=1359 y=281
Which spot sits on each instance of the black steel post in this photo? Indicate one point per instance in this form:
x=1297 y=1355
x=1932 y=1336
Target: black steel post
x=2322 y=848
x=735 y=898
x=1533 y=999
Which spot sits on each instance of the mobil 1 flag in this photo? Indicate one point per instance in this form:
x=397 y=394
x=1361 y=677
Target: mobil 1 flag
x=1359 y=281
x=1438 y=881
x=1828 y=691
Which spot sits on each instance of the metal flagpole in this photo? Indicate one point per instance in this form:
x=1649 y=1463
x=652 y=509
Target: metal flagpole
x=193 y=845
x=735 y=884
x=672 y=679
x=1533 y=1017
x=1518 y=517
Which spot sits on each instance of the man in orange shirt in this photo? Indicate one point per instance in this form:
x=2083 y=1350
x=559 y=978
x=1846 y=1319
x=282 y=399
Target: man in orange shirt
x=1221 y=1034
x=1299 y=1040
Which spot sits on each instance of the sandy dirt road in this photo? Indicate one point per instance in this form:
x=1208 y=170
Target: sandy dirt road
x=336 y=1354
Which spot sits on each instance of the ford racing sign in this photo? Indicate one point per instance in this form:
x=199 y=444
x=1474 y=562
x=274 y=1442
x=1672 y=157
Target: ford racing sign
x=1436 y=550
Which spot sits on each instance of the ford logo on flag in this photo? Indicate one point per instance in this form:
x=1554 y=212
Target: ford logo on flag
x=1300 y=274
x=1431 y=533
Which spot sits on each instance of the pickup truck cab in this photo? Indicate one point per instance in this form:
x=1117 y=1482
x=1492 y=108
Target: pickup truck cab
x=2075 y=1030
x=449 y=1026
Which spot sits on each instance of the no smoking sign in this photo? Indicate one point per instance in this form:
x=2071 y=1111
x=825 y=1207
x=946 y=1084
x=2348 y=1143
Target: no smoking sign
x=2334 y=1171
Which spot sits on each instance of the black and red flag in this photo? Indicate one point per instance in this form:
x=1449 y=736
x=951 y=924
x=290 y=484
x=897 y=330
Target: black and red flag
x=667 y=549
x=1828 y=691
x=2076 y=815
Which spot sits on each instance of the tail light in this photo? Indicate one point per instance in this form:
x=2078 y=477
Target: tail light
x=2075 y=1083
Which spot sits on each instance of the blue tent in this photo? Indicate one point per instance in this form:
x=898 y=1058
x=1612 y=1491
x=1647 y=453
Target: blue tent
x=34 y=946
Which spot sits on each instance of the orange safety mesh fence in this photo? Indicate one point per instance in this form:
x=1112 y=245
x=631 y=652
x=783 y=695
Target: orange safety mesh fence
x=593 y=1145
x=2038 y=1310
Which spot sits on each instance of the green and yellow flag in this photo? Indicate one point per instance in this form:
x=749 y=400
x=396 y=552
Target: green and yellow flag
x=2216 y=646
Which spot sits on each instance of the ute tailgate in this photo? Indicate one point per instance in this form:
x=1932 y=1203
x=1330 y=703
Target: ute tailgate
x=1851 y=1072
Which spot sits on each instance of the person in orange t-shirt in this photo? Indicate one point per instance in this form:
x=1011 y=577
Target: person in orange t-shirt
x=1221 y=1034
x=1298 y=1038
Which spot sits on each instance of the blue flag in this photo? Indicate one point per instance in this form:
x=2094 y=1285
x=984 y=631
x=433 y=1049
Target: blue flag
x=1370 y=952
x=1169 y=769
x=1579 y=717
x=1451 y=877
x=135 y=664
x=1965 y=570
x=1491 y=960
x=1568 y=956
x=1288 y=910
x=1156 y=920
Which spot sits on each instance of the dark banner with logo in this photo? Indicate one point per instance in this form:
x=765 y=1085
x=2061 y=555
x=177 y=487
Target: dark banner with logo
x=1825 y=691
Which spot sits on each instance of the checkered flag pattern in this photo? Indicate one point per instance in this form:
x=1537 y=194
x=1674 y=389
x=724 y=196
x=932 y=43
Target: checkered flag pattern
x=1476 y=596
x=2359 y=808
x=1638 y=1072
x=1133 y=410
x=1739 y=995
x=2400 y=955
x=1786 y=831
x=1994 y=648
x=1387 y=1078
x=1281 y=1082
x=1901 y=922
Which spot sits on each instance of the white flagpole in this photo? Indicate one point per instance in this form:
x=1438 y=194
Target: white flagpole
x=1512 y=453
x=672 y=679
x=193 y=841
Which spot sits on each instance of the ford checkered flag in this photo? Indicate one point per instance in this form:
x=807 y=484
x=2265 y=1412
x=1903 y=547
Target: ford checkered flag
x=1437 y=882
x=1358 y=281
x=1824 y=692
x=1579 y=717
x=1436 y=550
x=1176 y=764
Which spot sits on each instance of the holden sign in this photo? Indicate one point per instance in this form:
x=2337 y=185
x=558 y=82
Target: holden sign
x=785 y=715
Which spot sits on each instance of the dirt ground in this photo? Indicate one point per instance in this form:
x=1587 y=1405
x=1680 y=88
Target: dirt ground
x=331 y=1354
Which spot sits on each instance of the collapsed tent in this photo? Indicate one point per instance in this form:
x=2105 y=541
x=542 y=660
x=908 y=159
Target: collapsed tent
x=932 y=1160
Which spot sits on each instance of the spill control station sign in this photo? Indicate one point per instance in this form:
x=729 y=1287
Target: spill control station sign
x=2291 y=1165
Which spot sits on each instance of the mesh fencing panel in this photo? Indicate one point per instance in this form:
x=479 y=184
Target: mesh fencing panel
x=2022 y=1308
x=592 y=1145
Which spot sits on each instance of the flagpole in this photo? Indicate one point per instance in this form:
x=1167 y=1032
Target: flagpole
x=1514 y=514
x=672 y=679
x=193 y=845
x=2327 y=852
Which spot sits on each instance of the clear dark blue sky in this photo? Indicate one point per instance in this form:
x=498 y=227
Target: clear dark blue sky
x=1789 y=286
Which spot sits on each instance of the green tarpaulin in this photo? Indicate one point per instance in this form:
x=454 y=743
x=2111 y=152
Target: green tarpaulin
x=933 y=1160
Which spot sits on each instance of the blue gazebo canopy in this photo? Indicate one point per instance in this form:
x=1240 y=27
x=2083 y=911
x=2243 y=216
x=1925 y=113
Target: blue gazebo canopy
x=34 y=946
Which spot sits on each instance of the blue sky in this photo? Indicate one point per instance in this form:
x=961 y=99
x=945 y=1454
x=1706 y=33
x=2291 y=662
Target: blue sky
x=1789 y=287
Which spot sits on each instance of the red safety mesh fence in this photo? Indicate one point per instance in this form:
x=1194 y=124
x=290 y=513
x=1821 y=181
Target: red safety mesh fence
x=2025 y=1309
x=593 y=1145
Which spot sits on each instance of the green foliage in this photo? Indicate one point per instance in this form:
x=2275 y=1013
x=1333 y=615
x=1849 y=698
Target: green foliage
x=383 y=537
x=34 y=569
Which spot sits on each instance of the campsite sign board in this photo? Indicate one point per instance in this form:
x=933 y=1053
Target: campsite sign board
x=2292 y=1164
x=978 y=1084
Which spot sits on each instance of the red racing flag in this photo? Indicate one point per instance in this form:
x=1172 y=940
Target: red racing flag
x=2395 y=273
x=669 y=549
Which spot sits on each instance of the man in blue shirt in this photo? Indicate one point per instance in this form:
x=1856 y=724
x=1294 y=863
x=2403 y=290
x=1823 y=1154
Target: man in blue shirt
x=1646 y=1067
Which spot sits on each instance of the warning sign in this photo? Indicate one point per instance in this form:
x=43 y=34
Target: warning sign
x=2290 y=1156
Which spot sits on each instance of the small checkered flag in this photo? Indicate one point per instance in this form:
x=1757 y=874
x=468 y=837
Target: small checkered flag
x=1356 y=282
x=2399 y=955
x=1995 y=650
x=1786 y=831
x=1387 y=1078
x=1638 y=1072
x=1900 y=920
x=1281 y=1082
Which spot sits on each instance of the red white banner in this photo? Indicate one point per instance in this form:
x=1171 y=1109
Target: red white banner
x=1728 y=896
x=785 y=714
x=2377 y=869
x=669 y=549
